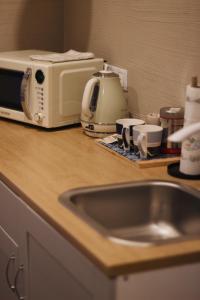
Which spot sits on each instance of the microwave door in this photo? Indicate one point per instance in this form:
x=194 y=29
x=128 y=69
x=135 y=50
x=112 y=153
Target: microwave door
x=10 y=89
x=13 y=90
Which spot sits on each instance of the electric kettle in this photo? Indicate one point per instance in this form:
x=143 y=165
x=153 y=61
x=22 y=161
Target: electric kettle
x=102 y=104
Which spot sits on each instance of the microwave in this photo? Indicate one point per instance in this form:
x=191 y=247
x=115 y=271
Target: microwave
x=43 y=93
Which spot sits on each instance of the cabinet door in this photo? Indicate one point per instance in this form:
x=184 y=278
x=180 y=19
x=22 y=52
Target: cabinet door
x=9 y=212
x=49 y=274
x=10 y=261
x=8 y=266
x=55 y=269
x=173 y=283
x=48 y=279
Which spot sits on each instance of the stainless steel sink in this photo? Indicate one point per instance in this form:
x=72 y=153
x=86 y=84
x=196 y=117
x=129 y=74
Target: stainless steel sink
x=139 y=213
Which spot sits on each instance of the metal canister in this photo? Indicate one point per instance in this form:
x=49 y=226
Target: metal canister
x=172 y=119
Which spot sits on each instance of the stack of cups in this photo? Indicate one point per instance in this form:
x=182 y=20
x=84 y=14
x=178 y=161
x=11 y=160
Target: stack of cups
x=134 y=135
x=124 y=129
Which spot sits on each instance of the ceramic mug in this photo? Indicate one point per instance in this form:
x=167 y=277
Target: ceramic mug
x=147 y=140
x=124 y=129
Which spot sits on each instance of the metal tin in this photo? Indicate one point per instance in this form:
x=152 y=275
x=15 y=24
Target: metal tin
x=172 y=119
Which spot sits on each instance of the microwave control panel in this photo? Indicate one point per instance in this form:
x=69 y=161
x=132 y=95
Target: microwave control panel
x=39 y=87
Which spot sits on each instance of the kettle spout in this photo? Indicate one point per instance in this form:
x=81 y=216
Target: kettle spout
x=184 y=133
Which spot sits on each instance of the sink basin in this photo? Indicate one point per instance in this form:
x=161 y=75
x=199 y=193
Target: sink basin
x=140 y=213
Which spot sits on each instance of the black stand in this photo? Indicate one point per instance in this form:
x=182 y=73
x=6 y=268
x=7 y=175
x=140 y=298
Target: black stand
x=174 y=171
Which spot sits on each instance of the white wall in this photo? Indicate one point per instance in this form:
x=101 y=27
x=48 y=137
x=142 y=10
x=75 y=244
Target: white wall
x=156 y=40
x=28 y=24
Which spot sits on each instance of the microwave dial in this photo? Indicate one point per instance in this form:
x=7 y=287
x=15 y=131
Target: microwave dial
x=38 y=117
x=39 y=76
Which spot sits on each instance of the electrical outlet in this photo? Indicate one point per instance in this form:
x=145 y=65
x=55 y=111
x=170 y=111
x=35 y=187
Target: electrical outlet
x=123 y=75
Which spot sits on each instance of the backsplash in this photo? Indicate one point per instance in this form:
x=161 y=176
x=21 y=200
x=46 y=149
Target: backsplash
x=156 y=41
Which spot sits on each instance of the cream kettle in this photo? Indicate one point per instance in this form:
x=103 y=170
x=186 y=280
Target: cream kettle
x=103 y=103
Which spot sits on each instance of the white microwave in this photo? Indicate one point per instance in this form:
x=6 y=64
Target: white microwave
x=43 y=93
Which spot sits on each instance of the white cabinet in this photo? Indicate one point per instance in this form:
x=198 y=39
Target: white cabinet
x=46 y=265
x=55 y=269
x=8 y=265
x=173 y=283
x=9 y=244
x=37 y=263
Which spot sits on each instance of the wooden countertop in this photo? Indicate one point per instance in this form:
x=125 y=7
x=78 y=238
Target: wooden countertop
x=40 y=165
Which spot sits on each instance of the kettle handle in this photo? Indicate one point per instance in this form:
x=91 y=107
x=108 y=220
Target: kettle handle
x=87 y=97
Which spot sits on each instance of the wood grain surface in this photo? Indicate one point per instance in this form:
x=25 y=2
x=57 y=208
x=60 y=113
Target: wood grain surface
x=40 y=165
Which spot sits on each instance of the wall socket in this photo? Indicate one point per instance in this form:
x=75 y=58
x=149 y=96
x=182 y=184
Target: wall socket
x=123 y=75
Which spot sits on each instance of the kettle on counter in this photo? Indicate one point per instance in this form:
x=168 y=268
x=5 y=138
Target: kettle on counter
x=103 y=103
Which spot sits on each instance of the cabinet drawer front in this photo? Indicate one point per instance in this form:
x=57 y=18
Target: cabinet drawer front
x=9 y=260
x=8 y=245
x=9 y=212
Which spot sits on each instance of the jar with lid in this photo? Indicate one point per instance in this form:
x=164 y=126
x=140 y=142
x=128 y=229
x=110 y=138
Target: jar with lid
x=172 y=119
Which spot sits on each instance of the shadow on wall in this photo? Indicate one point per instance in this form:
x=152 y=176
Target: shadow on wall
x=77 y=24
x=40 y=25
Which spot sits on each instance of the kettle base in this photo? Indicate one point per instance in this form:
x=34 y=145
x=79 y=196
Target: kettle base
x=98 y=134
x=98 y=130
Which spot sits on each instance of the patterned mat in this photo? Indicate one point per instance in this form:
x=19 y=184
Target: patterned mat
x=130 y=154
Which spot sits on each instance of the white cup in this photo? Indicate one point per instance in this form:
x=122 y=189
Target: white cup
x=124 y=129
x=147 y=140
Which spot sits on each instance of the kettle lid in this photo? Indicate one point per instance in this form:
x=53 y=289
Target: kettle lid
x=105 y=73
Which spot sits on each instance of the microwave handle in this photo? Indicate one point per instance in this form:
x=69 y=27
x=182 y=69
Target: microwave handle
x=23 y=93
